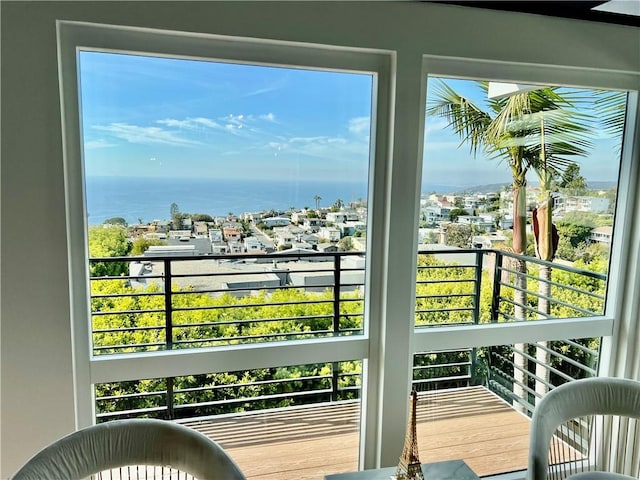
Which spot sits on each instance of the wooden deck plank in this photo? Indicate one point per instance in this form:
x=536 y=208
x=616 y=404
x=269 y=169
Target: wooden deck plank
x=308 y=443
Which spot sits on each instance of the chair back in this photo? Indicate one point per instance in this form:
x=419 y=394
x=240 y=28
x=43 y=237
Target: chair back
x=586 y=425
x=139 y=443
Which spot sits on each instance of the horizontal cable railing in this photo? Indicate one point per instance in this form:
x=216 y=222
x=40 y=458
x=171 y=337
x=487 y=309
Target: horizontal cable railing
x=186 y=302
x=215 y=394
x=521 y=374
x=189 y=302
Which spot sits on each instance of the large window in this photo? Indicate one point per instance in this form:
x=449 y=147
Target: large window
x=237 y=162
x=226 y=199
x=516 y=221
x=255 y=244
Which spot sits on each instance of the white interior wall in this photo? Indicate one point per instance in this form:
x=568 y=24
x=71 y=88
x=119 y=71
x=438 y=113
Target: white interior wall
x=36 y=362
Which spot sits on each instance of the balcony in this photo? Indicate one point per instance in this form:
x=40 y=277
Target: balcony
x=473 y=403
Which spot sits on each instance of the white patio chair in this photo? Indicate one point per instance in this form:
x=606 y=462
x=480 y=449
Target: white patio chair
x=142 y=448
x=587 y=430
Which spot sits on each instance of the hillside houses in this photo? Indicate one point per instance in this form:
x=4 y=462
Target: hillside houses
x=483 y=223
x=601 y=235
x=320 y=230
x=572 y=203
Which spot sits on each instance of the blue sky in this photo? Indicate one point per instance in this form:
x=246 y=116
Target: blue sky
x=149 y=116
x=448 y=162
x=146 y=116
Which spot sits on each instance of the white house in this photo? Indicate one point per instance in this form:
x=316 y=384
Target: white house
x=436 y=215
x=336 y=217
x=572 y=203
x=482 y=223
x=601 y=235
x=312 y=224
x=252 y=245
x=215 y=235
x=330 y=233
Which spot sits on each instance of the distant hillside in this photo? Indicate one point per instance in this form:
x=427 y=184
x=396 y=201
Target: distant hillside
x=488 y=188
x=601 y=185
x=498 y=187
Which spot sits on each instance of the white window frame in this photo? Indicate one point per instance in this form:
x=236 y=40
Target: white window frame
x=389 y=340
x=90 y=370
x=540 y=330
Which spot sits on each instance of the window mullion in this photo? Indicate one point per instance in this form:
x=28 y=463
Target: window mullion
x=393 y=350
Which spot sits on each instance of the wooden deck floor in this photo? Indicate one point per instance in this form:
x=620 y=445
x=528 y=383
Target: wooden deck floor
x=309 y=442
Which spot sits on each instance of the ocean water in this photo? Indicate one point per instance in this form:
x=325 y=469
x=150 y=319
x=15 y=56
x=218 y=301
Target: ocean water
x=150 y=198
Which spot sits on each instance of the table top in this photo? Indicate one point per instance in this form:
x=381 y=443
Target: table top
x=449 y=470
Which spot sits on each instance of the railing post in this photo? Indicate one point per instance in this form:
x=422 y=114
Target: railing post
x=336 y=294
x=169 y=399
x=334 y=381
x=495 y=291
x=478 y=288
x=168 y=308
x=474 y=367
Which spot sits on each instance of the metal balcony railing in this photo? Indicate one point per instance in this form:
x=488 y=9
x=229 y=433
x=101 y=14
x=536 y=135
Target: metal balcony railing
x=157 y=303
x=186 y=302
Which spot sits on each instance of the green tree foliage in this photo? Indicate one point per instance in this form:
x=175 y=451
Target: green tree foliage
x=176 y=216
x=572 y=181
x=108 y=241
x=141 y=245
x=201 y=217
x=346 y=244
x=456 y=212
x=445 y=292
x=115 y=221
x=574 y=233
x=459 y=235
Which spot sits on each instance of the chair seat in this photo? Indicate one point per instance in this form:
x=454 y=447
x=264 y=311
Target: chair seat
x=599 y=476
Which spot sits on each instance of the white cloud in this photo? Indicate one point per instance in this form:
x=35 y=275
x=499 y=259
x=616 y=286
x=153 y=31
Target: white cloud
x=435 y=125
x=144 y=135
x=206 y=122
x=189 y=123
x=237 y=119
x=321 y=147
x=269 y=117
x=277 y=85
x=100 y=143
x=172 y=122
x=360 y=125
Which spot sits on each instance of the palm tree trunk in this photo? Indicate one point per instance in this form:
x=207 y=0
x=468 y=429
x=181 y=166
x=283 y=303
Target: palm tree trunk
x=520 y=284
x=545 y=248
x=542 y=355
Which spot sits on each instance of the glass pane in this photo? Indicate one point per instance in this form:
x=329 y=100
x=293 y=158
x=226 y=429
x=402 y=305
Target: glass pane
x=257 y=416
x=518 y=200
x=473 y=405
x=241 y=191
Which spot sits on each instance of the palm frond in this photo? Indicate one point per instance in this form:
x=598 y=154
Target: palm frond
x=611 y=107
x=465 y=118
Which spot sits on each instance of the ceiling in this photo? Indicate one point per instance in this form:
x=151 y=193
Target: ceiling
x=578 y=9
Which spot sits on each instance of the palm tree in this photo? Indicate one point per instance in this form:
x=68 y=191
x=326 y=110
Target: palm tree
x=317 y=198
x=504 y=131
x=556 y=132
